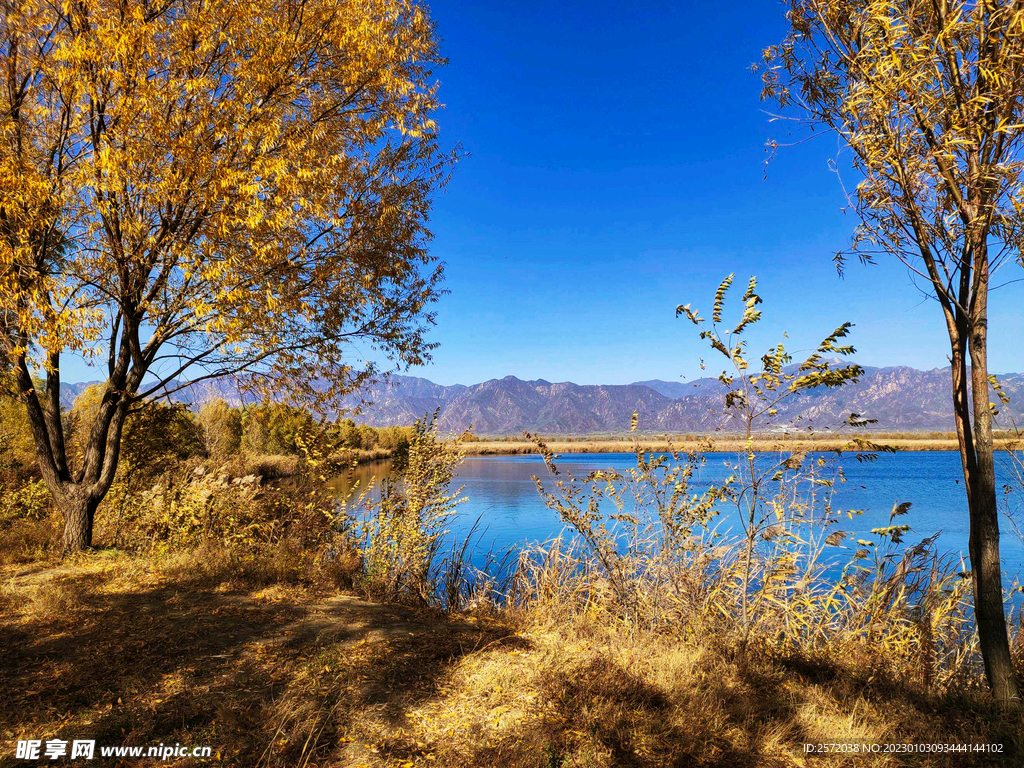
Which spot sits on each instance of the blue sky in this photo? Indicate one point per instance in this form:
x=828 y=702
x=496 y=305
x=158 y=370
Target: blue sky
x=616 y=170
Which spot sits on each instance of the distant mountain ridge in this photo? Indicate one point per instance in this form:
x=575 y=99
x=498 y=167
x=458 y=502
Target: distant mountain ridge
x=900 y=398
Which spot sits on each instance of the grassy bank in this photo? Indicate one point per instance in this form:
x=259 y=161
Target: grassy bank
x=277 y=466
x=269 y=670
x=728 y=445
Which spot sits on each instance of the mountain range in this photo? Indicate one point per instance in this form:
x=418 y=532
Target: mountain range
x=899 y=398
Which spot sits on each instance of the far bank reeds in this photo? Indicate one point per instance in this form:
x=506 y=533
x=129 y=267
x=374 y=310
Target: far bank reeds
x=713 y=444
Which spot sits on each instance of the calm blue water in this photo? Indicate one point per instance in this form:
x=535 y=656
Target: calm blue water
x=503 y=496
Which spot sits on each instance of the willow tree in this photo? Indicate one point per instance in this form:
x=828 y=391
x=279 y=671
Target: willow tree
x=195 y=189
x=927 y=96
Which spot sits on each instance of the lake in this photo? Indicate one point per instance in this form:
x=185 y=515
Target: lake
x=502 y=494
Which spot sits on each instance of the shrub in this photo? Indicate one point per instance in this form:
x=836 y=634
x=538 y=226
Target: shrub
x=28 y=523
x=17 y=451
x=26 y=540
x=402 y=531
x=237 y=529
x=221 y=427
x=190 y=507
x=28 y=500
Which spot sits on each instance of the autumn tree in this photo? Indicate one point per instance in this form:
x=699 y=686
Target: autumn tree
x=203 y=189
x=927 y=96
x=221 y=426
x=276 y=429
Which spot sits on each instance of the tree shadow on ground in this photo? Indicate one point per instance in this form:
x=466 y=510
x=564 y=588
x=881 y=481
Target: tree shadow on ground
x=207 y=667
x=270 y=677
x=748 y=716
x=917 y=717
x=601 y=713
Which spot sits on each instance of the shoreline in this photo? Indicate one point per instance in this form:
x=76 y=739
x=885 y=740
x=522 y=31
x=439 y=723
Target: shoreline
x=758 y=445
x=728 y=445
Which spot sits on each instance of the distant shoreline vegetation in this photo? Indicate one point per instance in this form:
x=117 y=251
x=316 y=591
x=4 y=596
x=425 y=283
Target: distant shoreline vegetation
x=898 y=441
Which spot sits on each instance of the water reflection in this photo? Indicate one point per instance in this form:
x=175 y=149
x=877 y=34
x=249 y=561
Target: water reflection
x=360 y=477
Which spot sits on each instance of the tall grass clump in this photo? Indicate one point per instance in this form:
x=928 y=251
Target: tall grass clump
x=407 y=550
x=403 y=530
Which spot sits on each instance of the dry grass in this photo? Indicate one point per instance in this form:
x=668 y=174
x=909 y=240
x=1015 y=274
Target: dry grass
x=594 y=695
x=269 y=467
x=726 y=445
x=136 y=651
x=187 y=649
x=361 y=455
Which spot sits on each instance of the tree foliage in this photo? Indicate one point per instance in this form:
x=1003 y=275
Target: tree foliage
x=190 y=190
x=928 y=96
x=17 y=451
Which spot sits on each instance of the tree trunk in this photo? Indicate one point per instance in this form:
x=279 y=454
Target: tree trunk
x=78 y=511
x=986 y=567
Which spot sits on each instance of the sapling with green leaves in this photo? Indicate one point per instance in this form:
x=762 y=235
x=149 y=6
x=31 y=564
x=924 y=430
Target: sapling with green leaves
x=765 y=493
